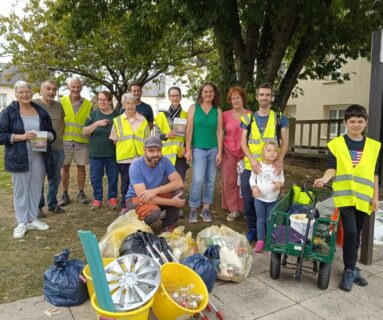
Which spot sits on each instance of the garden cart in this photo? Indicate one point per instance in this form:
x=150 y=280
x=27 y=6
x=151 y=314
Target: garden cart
x=312 y=238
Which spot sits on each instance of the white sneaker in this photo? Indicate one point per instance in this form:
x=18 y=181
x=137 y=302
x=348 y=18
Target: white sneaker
x=38 y=225
x=19 y=231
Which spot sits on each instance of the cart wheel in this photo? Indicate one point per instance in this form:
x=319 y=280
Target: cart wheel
x=275 y=265
x=324 y=275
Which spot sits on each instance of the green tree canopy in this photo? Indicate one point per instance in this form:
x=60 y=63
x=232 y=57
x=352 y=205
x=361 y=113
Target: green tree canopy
x=64 y=38
x=234 y=42
x=283 y=41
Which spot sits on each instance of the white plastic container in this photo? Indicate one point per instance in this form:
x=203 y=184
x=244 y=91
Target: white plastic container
x=299 y=223
x=378 y=230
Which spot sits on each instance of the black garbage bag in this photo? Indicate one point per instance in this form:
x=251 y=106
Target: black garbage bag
x=142 y=242
x=203 y=267
x=62 y=284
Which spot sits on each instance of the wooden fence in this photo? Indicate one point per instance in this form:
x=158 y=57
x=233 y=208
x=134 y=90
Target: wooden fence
x=311 y=135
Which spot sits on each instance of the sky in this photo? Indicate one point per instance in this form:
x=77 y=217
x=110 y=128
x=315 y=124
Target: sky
x=6 y=7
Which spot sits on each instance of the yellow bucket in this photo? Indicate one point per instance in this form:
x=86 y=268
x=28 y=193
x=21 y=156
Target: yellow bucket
x=138 y=314
x=177 y=275
x=86 y=273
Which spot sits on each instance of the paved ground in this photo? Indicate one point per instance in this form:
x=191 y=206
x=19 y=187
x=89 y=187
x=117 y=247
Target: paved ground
x=258 y=297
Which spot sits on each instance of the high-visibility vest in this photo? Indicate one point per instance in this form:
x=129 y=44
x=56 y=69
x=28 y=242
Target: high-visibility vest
x=256 y=141
x=129 y=144
x=354 y=186
x=74 y=123
x=172 y=147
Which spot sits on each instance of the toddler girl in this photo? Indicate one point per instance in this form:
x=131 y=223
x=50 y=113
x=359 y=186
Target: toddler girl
x=265 y=187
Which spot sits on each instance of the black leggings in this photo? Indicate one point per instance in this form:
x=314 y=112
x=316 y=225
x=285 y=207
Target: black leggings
x=352 y=221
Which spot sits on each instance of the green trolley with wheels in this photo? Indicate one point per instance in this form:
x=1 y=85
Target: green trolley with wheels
x=312 y=239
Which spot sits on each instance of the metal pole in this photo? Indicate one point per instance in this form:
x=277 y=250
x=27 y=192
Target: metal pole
x=374 y=131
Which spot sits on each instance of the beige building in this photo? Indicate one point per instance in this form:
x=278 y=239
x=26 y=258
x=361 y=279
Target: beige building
x=8 y=77
x=327 y=99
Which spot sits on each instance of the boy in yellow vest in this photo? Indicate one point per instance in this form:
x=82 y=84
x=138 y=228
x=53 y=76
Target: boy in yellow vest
x=353 y=160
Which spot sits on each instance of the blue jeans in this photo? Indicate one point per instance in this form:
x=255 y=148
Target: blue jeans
x=263 y=210
x=248 y=200
x=99 y=166
x=54 y=182
x=204 y=170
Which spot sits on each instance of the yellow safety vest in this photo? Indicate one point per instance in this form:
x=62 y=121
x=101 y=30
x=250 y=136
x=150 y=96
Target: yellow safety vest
x=129 y=144
x=354 y=186
x=256 y=141
x=74 y=123
x=172 y=147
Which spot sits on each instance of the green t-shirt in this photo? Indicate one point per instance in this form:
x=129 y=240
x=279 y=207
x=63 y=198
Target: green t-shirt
x=205 y=128
x=100 y=146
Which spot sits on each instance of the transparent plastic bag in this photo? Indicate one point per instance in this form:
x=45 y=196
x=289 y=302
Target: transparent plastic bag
x=183 y=245
x=235 y=252
x=118 y=230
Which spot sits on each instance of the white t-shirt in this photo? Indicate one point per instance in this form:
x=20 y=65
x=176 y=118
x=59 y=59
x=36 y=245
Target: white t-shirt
x=264 y=181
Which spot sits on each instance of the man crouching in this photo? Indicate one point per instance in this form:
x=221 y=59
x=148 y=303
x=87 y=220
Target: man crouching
x=155 y=186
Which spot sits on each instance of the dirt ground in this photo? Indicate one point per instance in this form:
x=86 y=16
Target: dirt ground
x=24 y=261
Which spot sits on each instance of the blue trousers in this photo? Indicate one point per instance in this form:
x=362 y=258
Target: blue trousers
x=204 y=170
x=263 y=210
x=54 y=182
x=248 y=200
x=98 y=167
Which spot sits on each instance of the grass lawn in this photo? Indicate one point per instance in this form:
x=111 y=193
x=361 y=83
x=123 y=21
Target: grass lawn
x=24 y=261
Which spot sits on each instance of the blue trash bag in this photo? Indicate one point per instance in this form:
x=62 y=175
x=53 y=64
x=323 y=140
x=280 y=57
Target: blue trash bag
x=212 y=253
x=62 y=284
x=203 y=267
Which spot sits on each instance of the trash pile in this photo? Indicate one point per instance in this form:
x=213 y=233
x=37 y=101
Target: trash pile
x=235 y=255
x=131 y=268
x=185 y=297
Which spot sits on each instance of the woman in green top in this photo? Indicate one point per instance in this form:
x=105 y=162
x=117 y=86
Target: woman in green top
x=102 y=152
x=204 y=140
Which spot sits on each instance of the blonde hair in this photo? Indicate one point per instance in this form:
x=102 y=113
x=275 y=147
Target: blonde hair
x=268 y=143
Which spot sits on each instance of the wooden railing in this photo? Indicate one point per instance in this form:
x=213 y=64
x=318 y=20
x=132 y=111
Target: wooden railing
x=311 y=134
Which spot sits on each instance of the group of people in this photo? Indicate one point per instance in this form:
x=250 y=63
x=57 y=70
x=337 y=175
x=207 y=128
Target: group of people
x=249 y=146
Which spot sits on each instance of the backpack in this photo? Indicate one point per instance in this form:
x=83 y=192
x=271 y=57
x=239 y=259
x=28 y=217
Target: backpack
x=277 y=127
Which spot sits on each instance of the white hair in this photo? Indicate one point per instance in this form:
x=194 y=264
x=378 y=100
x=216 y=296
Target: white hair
x=21 y=84
x=74 y=79
x=128 y=97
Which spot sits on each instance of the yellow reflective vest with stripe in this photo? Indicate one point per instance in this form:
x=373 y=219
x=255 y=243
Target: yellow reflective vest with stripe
x=354 y=186
x=256 y=141
x=171 y=147
x=129 y=144
x=74 y=123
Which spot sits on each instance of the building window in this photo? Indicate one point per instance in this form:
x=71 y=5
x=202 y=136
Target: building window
x=3 y=100
x=337 y=114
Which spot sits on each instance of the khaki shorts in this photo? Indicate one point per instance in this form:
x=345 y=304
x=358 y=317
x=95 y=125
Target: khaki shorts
x=77 y=151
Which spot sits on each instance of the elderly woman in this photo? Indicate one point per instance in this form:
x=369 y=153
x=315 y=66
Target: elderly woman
x=232 y=152
x=102 y=151
x=128 y=133
x=204 y=138
x=19 y=124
